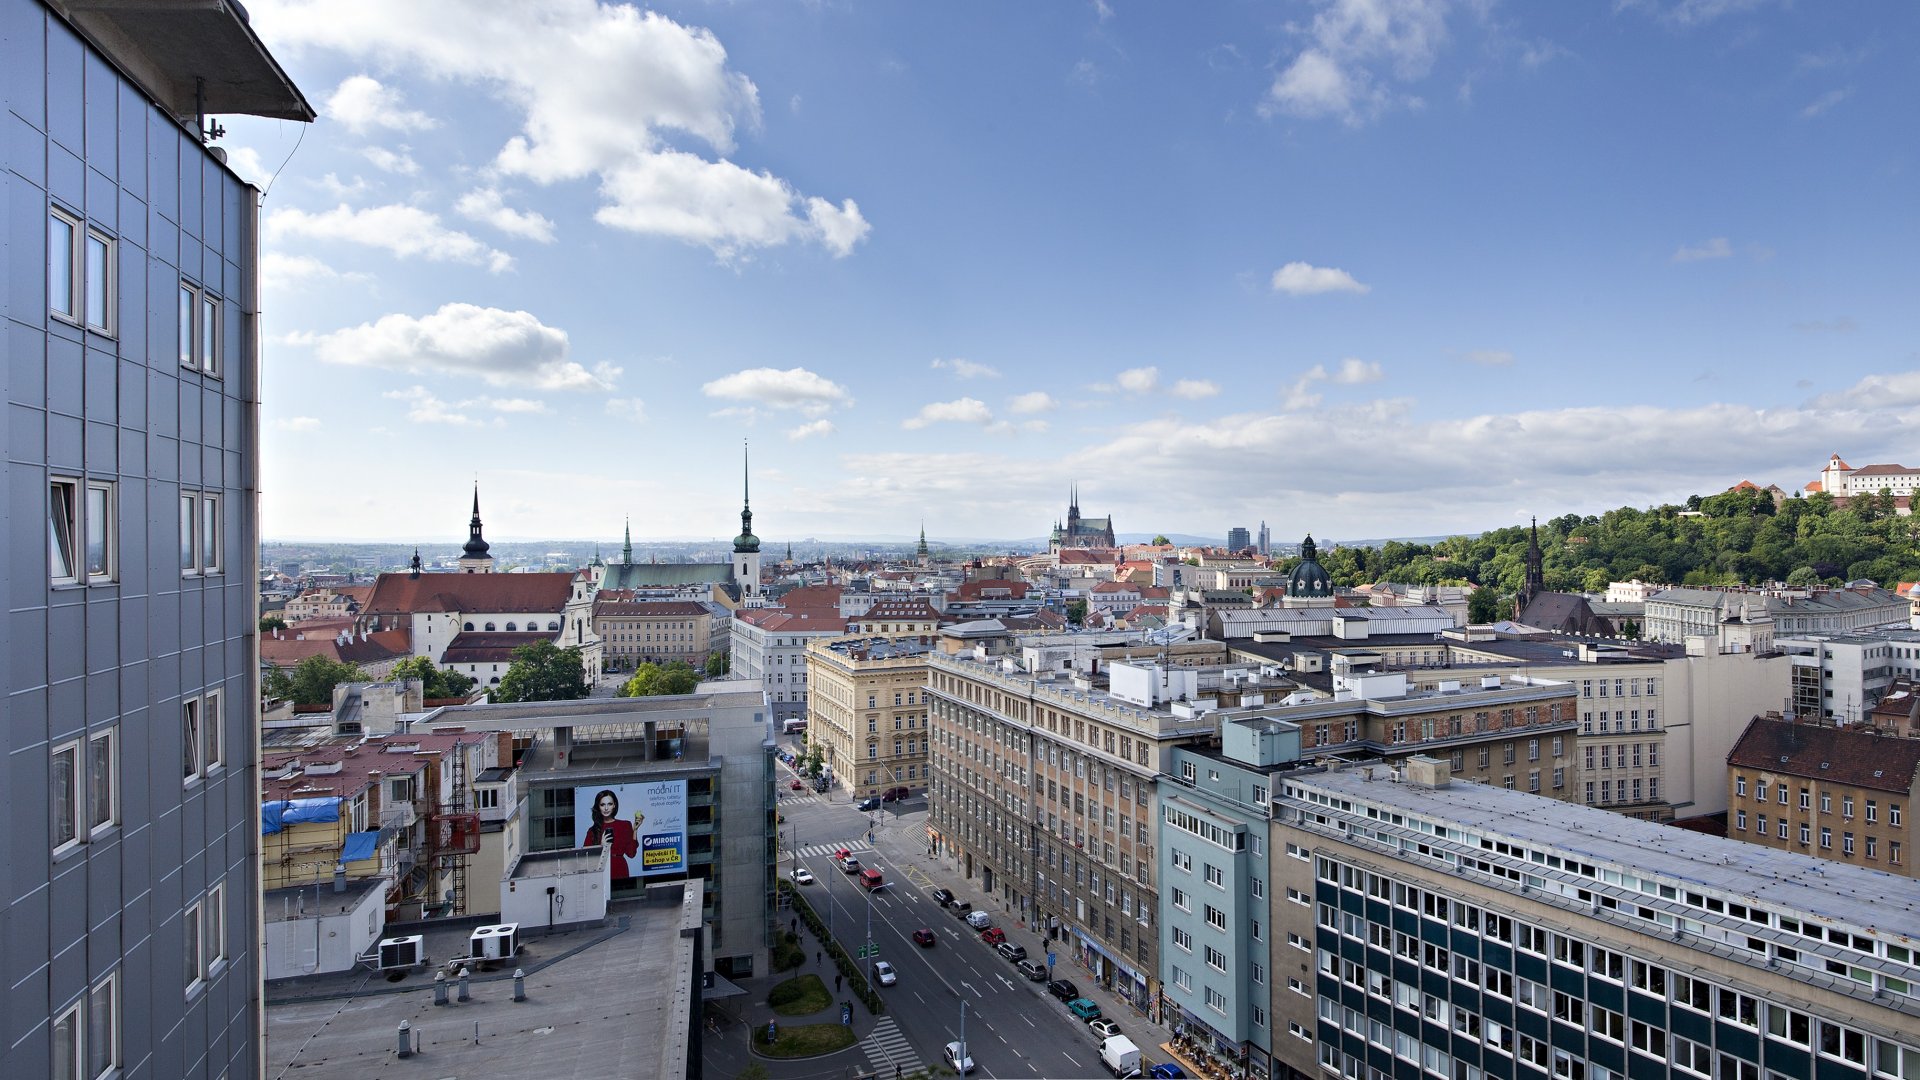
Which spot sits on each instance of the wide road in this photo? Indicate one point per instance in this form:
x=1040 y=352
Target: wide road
x=1013 y=1027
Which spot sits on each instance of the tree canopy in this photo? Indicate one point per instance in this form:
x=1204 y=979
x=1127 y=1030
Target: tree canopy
x=718 y=664
x=435 y=682
x=543 y=671
x=312 y=680
x=653 y=680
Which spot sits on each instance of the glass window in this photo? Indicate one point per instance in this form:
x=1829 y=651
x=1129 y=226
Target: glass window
x=209 y=334
x=99 y=282
x=63 y=233
x=99 y=531
x=62 y=531
x=189 y=306
x=190 y=927
x=210 y=733
x=103 y=1027
x=190 y=737
x=189 y=545
x=102 y=782
x=66 y=1045
x=210 y=533
x=64 y=796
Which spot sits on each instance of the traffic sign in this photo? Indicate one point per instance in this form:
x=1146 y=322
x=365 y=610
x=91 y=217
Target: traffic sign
x=865 y=951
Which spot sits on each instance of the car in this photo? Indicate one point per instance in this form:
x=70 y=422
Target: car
x=993 y=935
x=883 y=974
x=1168 y=1071
x=979 y=920
x=1063 y=990
x=1103 y=1028
x=924 y=938
x=850 y=865
x=1012 y=953
x=961 y=908
x=820 y=786
x=802 y=876
x=943 y=897
x=1084 y=1009
x=868 y=803
x=1033 y=972
x=797 y=786
x=895 y=794
x=957 y=1058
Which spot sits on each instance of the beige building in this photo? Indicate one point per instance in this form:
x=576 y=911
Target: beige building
x=867 y=710
x=1829 y=792
x=635 y=632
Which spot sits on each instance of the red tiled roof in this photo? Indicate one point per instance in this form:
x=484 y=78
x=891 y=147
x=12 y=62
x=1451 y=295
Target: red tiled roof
x=799 y=622
x=404 y=594
x=1155 y=592
x=1089 y=556
x=377 y=648
x=359 y=760
x=1882 y=470
x=813 y=596
x=1745 y=485
x=1115 y=587
x=481 y=647
x=645 y=609
x=1833 y=755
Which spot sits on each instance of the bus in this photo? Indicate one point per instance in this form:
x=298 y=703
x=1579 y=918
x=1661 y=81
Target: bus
x=794 y=727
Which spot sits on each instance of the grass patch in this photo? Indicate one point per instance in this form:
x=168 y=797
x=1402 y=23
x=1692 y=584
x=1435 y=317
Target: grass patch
x=803 y=1040
x=801 y=995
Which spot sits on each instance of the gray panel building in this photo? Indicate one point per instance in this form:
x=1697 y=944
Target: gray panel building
x=131 y=887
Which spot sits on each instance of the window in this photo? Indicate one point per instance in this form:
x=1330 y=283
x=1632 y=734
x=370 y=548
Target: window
x=63 y=264
x=199 y=329
x=200 y=533
x=64 y=796
x=213 y=752
x=103 y=782
x=1216 y=1001
x=1183 y=939
x=1216 y=918
x=99 y=281
x=81 y=532
x=1216 y=959
x=1826 y=837
x=1214 y=876
x=103 y=1027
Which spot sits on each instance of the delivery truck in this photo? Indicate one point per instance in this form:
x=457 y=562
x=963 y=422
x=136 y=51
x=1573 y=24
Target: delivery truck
x=1120 y=1056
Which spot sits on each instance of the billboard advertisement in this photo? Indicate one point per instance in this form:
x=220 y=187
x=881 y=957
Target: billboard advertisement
x=643 y=825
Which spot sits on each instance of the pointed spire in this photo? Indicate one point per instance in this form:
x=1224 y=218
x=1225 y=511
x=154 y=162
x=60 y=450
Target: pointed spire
x=475 y=549
x=414 y=567
x=626 y=550
x=746 y=542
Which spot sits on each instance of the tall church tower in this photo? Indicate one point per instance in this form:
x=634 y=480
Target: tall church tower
x=746 y=546
x=1536 y=580
x=474 y=558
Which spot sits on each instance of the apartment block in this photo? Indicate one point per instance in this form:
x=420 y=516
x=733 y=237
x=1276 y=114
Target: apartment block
x=1474 y=932
x=1833 y=793
x=132 y=879
x=867 y=707
x=770 y=644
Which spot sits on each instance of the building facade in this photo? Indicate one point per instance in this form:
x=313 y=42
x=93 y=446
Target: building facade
x=132 y=263
x=770 y=644
x=653 y=632
x=1078 y=531
x=1833 y=793
x=867 y=707
x=1470 y=931
x=1752 y=617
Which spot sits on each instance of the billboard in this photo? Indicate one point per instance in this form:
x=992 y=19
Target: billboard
x=643 y=825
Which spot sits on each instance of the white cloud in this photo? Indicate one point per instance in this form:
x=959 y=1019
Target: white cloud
x=966 y=369
x=489 y=206
x=964 y=410
x=1353 y=372
x=1356 y=47
x=1689 y=12
x=502 y=348
x=1306 y=279
x=1899 y=390
x=1717 y=248
x=340 y=189
x=602 y=90
x=281 y=271
x=794 y=388
x=361 y=103
x=245 y=162
x=1138 y=380
x=405 y=231
x=393 y=161
x=1489 y=357
x=1300 y=396
x=510 y=405
x=809 y=430
x=297 y=423
x=1195 y=389
x=1037 y=401
x=627 y=408
x=424 y=408
x=1824 y=102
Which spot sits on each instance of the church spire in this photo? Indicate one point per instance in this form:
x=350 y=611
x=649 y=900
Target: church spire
x=746 y=542
x=474 y=557
x=626 y=549
x=1536 y=579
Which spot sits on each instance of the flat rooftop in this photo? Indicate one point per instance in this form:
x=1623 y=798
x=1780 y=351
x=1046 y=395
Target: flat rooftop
x=318 y=900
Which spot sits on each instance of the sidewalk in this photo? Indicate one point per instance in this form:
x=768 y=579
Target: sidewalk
x=727 y=1052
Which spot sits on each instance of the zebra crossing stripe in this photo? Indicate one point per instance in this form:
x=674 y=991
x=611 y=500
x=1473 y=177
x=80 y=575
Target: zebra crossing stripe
x=888 y=1047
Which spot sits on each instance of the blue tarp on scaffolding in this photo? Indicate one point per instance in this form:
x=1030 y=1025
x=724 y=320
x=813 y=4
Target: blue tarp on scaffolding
x=281 y=813
x=360 y=845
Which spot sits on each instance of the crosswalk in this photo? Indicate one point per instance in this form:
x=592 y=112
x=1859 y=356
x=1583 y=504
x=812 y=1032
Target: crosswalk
x=888 y=1052
x=814 y=851
x=800 y=800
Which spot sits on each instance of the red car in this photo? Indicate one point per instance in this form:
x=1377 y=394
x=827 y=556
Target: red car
x=797 y=786
x=993 y=935
x=923 y=937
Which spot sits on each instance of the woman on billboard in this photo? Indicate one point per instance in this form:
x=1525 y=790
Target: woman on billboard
x=620 y=836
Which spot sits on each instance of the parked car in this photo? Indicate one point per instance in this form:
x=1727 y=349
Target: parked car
x=943 y=897
x=1012 y=953
x=883 y=974
x=894 y=794
x=802 y=876
x=1034 y=972
x=1168 y=1071
x=924 y=938
x=868 y=803
x=1103 y=1028
x=962 y=908
x=979 y=920
x=957 y=1058
x=993 y=935
x=1084 y=1009
x=1063 y=990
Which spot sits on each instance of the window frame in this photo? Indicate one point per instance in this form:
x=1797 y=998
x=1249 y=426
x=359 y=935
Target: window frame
x=110 y=1036
x=202 y=550
x=67 y=546
x=109 y=785
x=200 y=336
x=191 y=719
x=110 y=284
x=75 y=287
x=63 y=841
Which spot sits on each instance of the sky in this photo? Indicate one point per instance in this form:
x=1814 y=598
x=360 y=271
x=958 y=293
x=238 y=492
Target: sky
x=1359 y=268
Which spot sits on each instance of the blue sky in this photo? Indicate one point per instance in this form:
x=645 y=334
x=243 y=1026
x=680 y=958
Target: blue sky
x=1355 y=267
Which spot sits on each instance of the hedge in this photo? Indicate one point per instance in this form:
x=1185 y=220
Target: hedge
x=856 y=979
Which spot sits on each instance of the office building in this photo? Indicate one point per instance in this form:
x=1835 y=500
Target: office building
x=867 y=710
x=1833 y=793
x=132 y=267
x=770 y=644
x=1238 y=539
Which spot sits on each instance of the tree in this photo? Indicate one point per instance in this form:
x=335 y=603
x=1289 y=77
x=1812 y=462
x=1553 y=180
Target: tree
x=1803 y=577
x=434 y=682
x=718 y=664
x=1077 y=611
x=543 y=671
x=270 y=623
x=1483 y=606
x=1161 y=541
x=814 y=758
x=312 y=680
x=654 y=680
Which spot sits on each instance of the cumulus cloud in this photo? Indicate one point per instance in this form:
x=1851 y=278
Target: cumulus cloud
x=362 y=104
x=627 y=408
x=1353 y=371
x=1689 y=12
x=964 y=410
x=280 y=271
x=489 y=206
x=425 y=408
x=342 y=189
x=1195 y=389
x=1300 y=394
x=1306 y=279
x=393 y=161
x=502 y=348
x=405 y=231
x=1355 y=51
x=1899 y=390
x=966 y=369
x=602 y=91
x=1717 y=248
x=511 y=405
x=1489 y=357
x=809 y=430
x=297 y=423
x=794 y=388
x=1138 y=380
x=1038 y=401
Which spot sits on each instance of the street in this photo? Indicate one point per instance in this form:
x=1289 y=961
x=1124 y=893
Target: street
x=1013 y=1027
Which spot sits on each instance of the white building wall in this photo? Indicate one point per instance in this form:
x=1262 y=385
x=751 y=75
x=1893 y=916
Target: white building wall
x=322 y=943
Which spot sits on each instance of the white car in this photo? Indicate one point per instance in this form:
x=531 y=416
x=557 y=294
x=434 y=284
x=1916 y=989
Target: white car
x=979 y=920
x=958 y=1059
x=802 y=876
x=884 y=974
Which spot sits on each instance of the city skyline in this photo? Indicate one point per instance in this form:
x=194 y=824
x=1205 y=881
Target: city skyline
x=1357 y=269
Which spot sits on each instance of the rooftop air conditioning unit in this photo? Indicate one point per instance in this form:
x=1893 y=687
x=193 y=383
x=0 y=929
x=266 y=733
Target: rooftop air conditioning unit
x=499 y=942
x=402 y=952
